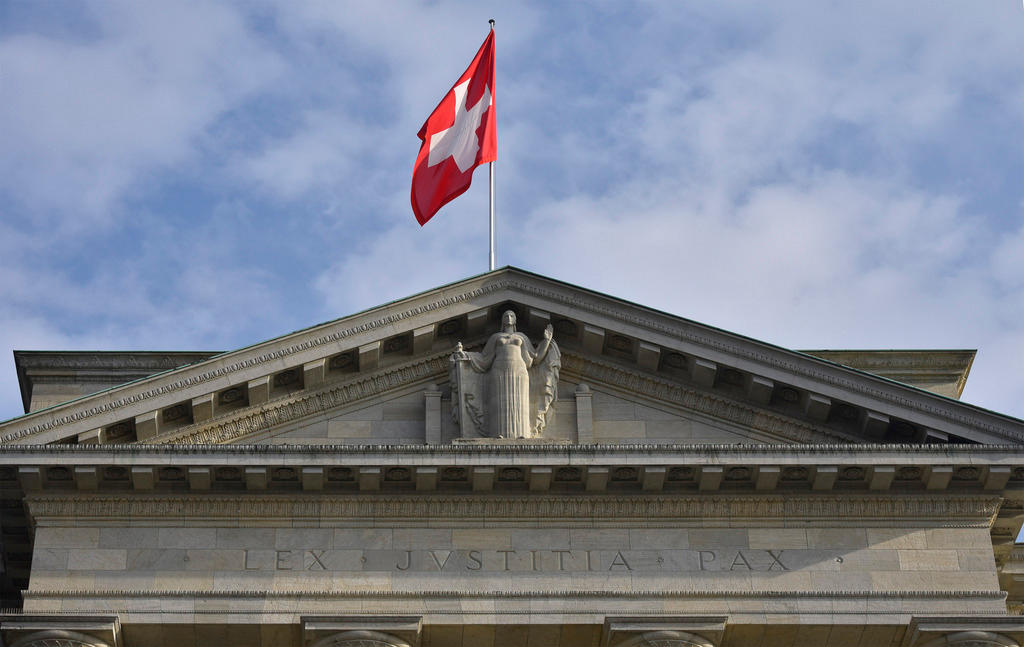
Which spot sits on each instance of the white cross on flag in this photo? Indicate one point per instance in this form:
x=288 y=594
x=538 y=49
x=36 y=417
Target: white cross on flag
x=458 y=136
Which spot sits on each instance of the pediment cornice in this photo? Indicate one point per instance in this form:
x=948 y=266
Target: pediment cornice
x=649 y=326
x=780 y=363
x=234 y=427
x=303 y=344
x=926 y=476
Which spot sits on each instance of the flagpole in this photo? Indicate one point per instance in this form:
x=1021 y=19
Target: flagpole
x=490 y=168
x=490 y=173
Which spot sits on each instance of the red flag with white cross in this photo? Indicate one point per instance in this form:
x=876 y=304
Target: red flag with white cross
x=459 y=135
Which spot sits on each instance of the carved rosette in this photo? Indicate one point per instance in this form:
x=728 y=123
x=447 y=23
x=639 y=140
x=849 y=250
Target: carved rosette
x=972 y=639
x=56 y=638
x=668 y=639
x=360 y=639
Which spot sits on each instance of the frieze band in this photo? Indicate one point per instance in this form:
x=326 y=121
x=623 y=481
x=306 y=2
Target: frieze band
x=609 y=511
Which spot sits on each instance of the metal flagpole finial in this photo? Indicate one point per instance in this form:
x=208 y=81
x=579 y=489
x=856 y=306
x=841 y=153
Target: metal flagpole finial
x=491 y=21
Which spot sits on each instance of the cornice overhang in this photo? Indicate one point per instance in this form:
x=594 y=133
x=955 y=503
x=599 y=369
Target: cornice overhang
x=516 y=451
x=518 y=469
x=653 y=328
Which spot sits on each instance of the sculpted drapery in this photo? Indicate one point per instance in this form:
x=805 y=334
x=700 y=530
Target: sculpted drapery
x=508 y=389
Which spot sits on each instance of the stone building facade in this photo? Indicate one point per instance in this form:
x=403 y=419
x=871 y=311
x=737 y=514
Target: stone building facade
x=687 y=487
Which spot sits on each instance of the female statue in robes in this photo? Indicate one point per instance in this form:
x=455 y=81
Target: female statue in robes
x=515 y=383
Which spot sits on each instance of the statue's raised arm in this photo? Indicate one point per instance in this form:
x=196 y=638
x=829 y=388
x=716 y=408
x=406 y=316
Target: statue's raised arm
x=544 y=381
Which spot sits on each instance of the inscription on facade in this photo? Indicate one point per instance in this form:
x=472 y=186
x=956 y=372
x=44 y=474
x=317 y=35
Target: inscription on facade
x=533 y=560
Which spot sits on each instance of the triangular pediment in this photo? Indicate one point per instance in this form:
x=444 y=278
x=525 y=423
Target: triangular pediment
x=613 y=418
x=629 y=374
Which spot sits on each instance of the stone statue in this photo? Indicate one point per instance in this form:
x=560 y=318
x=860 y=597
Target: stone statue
x=507 y=390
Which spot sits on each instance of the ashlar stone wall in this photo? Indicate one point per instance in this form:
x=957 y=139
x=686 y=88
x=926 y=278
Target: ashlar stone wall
x=475 y=556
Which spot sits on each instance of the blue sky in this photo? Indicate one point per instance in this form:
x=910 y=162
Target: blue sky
x=206 y=175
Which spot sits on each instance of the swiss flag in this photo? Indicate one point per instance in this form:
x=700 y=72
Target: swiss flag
x=457 y=137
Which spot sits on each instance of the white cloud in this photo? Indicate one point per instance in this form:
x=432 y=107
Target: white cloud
x=404 y=260
x=725 y=204
x=806 y=174
x=83 y=120
x=36 y=332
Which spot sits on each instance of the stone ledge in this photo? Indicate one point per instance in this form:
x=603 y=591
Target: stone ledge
x=902 y=452
x=564 y=593
x=605 y=510
x=680 y=470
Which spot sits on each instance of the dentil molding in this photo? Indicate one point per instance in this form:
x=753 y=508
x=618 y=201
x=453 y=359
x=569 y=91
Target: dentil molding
x=610 y=511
